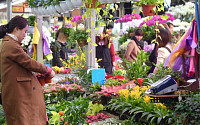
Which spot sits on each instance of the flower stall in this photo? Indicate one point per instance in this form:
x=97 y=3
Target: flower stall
x=130 y=95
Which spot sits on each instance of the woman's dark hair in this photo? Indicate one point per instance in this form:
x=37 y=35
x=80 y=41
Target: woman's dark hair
x=163 y=37
x=169 y=24
x=17 y=21
x=139 y=32
x=110 y=26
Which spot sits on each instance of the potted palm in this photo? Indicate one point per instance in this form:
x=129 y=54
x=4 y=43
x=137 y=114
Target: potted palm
x=148 y=5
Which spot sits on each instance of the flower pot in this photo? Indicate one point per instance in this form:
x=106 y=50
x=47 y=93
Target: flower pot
x=98 y=32
x=93 y=5
x=47 y=80
x=42 y=81
x=148 y=10
x=82 y=43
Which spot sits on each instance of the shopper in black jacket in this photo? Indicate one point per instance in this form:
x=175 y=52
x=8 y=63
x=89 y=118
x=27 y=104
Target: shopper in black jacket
x=61 y=45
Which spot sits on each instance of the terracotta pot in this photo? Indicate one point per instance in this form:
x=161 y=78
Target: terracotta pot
x=42 y=81
x=47 y=80
x=148 y=10
x=83 y=43
x=93 y=5
x=131 y=34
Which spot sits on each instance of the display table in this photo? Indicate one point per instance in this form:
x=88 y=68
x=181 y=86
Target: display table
x=168 y=100
x=59 y=77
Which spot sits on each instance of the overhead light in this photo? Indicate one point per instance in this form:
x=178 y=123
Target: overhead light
x=4 y=5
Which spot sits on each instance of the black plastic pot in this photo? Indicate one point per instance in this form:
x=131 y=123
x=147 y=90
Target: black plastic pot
x=105 y=99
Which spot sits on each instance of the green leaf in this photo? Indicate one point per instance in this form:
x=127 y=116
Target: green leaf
x=118 y=106
x=159 y=120
x=97 y=28
x=88 y=39
x=93 y=22
x=144 y=114
x=126 y=109
x=149 y=116
x=113 y=9
x=116 y=6
x=88 y=30
x=135 y=109
x=90 y=51
x=164 y=17
x=152 y=120
x=158 y=113
x=94 y=44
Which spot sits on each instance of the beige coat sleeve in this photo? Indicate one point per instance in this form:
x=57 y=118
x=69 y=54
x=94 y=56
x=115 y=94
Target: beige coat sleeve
x=132 y=51
x=17 y=54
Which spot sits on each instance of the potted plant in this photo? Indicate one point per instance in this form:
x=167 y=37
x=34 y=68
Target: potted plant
x=93 y=4
x=81 y=36
x=100 y=24
x=69 y=32
x=148 y=5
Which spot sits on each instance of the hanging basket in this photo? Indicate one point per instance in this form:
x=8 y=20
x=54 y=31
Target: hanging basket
x=148 y=10
x=93 y=5
x=82 y=43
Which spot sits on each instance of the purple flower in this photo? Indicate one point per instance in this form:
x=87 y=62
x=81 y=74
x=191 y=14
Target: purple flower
x=149 y=48
x=67 y=82
x=38 y=4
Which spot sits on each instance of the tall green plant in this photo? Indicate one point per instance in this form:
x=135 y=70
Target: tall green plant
x=137 y=69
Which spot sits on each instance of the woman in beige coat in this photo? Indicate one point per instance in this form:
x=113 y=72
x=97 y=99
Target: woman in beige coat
x=134 y=46
x=22 y=97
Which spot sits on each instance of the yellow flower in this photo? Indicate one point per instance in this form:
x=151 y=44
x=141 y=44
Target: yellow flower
x=146 y=99
x=121 y=93
x=132 y=93
x=126 y=91
x=137 y=95
x=144 y=88
x=137 y=88
x=163 y=106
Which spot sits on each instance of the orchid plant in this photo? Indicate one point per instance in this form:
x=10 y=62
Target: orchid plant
x=78 y=19
x=128 y=17
x=157 y=19
x=183 y=12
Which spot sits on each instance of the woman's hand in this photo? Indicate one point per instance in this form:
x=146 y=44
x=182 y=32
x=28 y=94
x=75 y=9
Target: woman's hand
x=52 y=74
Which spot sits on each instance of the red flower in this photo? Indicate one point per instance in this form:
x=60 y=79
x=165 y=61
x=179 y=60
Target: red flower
x=108 y=76
x=119 y=77
x=140 y=81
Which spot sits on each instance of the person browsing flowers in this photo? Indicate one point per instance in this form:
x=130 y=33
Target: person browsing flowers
x=22 y=97
x=135 y=45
